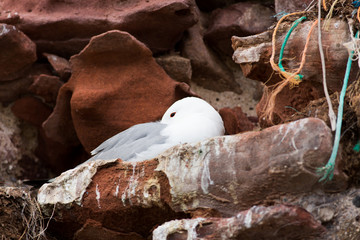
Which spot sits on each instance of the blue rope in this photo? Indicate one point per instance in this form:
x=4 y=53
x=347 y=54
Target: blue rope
x=357 y=146
x=299 y=76
x=328 y=170
x=356 y=3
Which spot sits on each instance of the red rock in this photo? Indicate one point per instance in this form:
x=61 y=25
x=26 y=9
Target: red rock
x=208 y=70
x=240 y=19
x=177 y=67
x=286 y=6
x=275 y=222
x=14 y=89
x=17 y=55
x=32 y=110
x=47 y=87
x=64 y=28
x=288 y=102
x=235 y=120
x=209 y=5
x=60 y=65
x=94 y=230
x=221 y=175
x=125 y=88
x=253 y=54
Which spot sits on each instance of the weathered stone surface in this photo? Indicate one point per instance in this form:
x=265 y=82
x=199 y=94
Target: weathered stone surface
x=46 y=87
x=240 y=19
x=31 y=110
x=342 y=220
x=60 y=65
x=221 y=176
x=177 y=67
x=14 y=89
x=65 y=27
x=94 y=230
x=18 y=53
x=288 y=102
x=115 y=83
x=275 y=222
x=253 y=53
x=208 y=70
x=17 y=144
x=209 y=5
x=235 y=120
x=289 y=6
x=136 y=190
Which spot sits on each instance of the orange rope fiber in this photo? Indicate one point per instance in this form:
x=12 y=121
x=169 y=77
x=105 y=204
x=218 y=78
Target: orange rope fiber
x=324 y=5
x=290 y=76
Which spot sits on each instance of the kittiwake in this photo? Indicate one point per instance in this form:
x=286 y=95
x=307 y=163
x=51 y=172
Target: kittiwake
x=188 y=120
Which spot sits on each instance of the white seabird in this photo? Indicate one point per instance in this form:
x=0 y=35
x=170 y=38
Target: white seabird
x=188 y=120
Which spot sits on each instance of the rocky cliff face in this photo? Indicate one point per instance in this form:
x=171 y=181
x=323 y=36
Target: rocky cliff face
x=74 y=73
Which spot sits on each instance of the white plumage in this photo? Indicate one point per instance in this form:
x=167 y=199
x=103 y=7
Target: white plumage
x=188 y=120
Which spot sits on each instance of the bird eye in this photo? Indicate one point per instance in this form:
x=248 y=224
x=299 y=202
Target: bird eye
x=172 y=114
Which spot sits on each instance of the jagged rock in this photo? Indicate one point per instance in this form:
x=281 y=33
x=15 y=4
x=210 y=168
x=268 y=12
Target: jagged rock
x=208 y=70
x=240 y=19
x=60 y=65
x=253 y=53
x=275 y=222
x=177 y=67
x=289 y=6
x=17 y=55
x=125 y=88
x=235 y=120
x=65 y=27
x=46 y=87
x=220 y=176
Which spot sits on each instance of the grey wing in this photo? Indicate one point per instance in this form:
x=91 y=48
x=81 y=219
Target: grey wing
x=128 y=143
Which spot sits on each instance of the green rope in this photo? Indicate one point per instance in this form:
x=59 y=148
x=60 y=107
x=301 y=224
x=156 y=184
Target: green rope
x=357 y=146
x=299 y=76
x=328 y=170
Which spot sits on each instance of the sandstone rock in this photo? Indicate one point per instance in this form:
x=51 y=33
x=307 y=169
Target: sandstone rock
x=275 y=222
x=31 y=110
x=17 y=54
x=65 y=27
x=240 y=19
x=208 y=70
x=291 y=6
x=209 y=5
x=47 y=87
x=221 y=176
x=177 y=67
x=125 y=88
x=94 y=230
x=253 y=53
x=14 y=89
x=288 y=102
x=235 y=121
x=60 y=65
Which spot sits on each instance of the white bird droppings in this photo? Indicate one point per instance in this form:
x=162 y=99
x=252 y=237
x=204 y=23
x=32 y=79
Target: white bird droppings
x=97 y=195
